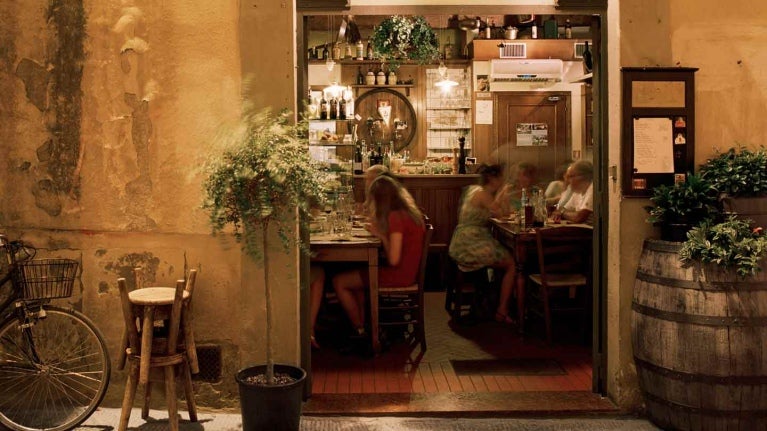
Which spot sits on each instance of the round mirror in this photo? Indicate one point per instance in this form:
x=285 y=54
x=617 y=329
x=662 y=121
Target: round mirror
x=386 y=116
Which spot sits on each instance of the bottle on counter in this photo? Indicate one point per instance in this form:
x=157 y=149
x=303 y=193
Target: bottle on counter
x=337 y=51
x=568 y=29
x=370 y=77
x=488 y=29
x=348 y=50
x=380 y=77
x=360 y=50
x=365 y=156
x=325 y=52
x=448 y=50
x=357 y=164
x=391 y=79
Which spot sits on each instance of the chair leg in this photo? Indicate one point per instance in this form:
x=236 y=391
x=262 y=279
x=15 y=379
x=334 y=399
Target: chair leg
x=147 y=399
x=458 y=295
x=130 y=394
x=189 y=392
x=547 y=314
x=422 y=326
x=170 y=395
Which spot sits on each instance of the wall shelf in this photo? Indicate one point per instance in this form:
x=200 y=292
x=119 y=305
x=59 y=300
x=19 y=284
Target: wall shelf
x=407 y=87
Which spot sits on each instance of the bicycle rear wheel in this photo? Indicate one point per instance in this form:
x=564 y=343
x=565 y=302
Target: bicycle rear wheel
x=56 y=381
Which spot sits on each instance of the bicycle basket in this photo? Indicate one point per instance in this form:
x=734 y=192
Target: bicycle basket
x=45 y=278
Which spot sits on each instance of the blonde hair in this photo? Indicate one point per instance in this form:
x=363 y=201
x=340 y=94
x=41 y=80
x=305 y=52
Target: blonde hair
x=387 y=195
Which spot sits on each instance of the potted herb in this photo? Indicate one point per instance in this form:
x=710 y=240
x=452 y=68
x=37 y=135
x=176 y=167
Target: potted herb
x=264 y=176
x=730 y=244
x=677 y=208
x=740 y=178
x=399 y=38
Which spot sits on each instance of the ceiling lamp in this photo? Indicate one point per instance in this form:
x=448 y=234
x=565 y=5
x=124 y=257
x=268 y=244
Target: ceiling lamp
x=444 y=83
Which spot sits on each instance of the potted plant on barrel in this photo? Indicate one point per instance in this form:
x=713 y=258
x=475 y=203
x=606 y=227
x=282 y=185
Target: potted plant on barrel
x=678 y=208
x=740 y=178
x=263 y=176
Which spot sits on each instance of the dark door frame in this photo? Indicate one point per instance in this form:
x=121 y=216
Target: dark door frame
x=598 y=11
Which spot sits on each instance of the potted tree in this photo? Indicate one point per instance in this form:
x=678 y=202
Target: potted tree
x=677 y=208
x=740 y=178
x=264 y=176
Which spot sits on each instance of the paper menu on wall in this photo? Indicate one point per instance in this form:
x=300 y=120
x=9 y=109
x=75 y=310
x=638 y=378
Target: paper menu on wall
x=653 y=146
x=483 y=113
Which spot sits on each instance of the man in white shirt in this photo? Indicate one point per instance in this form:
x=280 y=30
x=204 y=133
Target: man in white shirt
x=580 y=207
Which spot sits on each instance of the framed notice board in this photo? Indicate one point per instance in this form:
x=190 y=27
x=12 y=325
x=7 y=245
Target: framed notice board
x=658 y=122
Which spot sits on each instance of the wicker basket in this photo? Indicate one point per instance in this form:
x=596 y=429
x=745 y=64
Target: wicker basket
x=45 y=278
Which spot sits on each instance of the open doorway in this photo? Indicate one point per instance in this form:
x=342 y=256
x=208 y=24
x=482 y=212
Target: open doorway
x=458 y=355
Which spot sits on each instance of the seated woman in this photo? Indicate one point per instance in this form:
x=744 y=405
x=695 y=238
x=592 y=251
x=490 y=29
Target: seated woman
x=510 y=195
x=398 y=223
x=579 y=208
x=557 y=187
x=473 y=246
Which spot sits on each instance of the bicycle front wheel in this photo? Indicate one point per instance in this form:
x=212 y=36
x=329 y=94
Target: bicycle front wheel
x=54 y=373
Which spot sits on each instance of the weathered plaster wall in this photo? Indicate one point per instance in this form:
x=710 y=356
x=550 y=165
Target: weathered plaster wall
x=725 y=40
x=107 y=170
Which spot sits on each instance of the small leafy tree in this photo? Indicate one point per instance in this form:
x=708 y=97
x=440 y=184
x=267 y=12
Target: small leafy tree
x=262 y=174
x=737 y=173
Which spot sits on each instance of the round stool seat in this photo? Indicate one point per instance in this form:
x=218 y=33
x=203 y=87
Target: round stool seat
x=154 y=296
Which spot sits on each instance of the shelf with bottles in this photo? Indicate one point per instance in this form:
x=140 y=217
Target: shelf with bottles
x=357 y=87
x=447 y=108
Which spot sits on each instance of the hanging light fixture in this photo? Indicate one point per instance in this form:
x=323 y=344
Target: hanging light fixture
x=444 y=83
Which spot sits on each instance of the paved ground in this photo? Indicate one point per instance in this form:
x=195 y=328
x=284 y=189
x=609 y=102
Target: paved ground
x=106 y=419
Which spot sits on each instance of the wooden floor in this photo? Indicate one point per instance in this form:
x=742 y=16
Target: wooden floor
x=405 y=370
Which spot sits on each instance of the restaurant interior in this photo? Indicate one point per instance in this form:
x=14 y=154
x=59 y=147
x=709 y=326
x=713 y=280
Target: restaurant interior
x=507 y=89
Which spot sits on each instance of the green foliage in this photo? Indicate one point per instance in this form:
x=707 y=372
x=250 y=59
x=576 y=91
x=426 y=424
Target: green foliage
x=730 y=244
x=690 y=202
x=736 y=173
x=261 y=174
x=400 y=38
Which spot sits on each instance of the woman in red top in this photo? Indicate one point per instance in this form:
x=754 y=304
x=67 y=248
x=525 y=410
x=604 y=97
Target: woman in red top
x=398 y=222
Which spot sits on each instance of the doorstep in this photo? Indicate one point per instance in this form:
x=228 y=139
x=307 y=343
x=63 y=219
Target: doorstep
x=463 y=404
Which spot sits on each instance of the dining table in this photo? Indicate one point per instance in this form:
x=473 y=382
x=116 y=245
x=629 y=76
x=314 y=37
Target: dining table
x=357 y=246
x=521 y=242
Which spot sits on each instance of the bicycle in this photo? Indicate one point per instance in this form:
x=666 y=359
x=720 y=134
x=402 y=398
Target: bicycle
x=54 y=363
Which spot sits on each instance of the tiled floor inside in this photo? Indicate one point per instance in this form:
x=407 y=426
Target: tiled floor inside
x=402 y=377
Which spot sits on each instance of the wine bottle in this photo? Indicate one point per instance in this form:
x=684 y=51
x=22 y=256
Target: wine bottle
x=568 y=30
x=325 y=52
x=357 y=164
x=333 y=108
x=342 y=109
x=323 y=108
x=587 y=59
x=360 y=50
x=360 y=76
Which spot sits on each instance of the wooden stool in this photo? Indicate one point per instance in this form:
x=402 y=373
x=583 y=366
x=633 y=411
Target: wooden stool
x=462 y=290
x=146 y=350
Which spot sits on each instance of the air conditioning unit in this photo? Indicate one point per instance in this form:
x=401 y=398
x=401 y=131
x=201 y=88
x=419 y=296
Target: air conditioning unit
x=506 y=70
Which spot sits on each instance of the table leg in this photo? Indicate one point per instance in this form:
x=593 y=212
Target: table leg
x=373 y=276
x=147 y=327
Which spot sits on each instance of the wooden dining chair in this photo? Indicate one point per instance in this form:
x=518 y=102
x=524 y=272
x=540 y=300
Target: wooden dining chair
x=165 y=351
x=403 y=305
x=563 y=279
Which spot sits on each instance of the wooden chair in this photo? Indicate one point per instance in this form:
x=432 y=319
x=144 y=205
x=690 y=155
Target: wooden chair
x=463 y=289
x=405 y=304
x=148 y=350
x=564 y=278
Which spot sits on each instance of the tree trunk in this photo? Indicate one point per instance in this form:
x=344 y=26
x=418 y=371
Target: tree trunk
x=268 y=290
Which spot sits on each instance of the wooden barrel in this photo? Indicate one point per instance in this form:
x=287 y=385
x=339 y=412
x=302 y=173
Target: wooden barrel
x=700 y=343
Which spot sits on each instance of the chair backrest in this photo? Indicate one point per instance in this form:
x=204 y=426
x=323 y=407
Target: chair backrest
x=131 y=317
x=564 y=249
x=424 y=255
